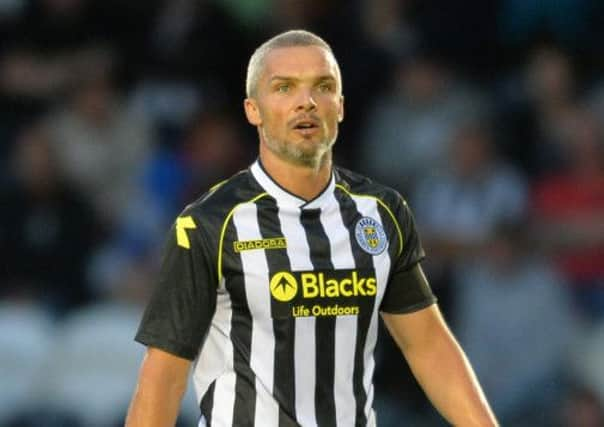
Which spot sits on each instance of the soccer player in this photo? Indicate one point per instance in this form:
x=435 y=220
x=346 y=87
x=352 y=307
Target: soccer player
x=272 y=282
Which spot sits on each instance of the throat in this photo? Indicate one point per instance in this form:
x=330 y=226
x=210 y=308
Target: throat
x=303 y=181
x=308 y=187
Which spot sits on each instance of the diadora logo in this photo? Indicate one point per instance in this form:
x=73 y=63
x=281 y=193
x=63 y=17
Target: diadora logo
x=248 y=245
x=321 y=293
x=183 y=224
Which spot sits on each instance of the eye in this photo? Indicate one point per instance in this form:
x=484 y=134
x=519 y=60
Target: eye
x=283 y=88
x=326 y=87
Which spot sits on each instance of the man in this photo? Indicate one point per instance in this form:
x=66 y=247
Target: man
x=272 y=282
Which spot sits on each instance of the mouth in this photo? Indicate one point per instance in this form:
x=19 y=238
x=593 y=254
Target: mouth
x=306 y=126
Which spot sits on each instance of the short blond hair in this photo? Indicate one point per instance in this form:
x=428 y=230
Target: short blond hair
x=290 y=38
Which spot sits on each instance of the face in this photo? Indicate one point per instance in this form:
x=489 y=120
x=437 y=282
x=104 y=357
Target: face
x=298 y=104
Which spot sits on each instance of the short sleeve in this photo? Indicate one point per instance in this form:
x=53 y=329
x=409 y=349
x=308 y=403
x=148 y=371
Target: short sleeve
x=408 y=289
x=181 y=307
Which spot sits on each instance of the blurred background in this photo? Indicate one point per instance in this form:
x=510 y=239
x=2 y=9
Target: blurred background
x=486 y=115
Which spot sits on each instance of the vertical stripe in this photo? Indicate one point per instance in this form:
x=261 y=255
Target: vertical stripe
x=298 y=253
x=305 y=371
x=207 y=402
x=241 y=335
x=260 y=406
x=320 y=255
x=324 y=389
x=224 y=399
x=283 y=329
x=346 y=326
x=362 y=259
x=220 y=407
x=215 y=356
x=367 y=206
x=244 y=390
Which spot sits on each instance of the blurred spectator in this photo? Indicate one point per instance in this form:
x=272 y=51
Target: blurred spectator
x=515 y=321
x=462 y=34
x=535 y=109
x=458 y=207
x=93 y=365
x=60 y=28
x=568 y=208
x=409 y=131
x=61 y=25
x=100 y=144
x=169 y=104
x=457 y=210
x=198 y=41
x=387 y=25
x=213 y=150
x=46 y=43
x=31 y=83
x=26 y=339
x=47 y=229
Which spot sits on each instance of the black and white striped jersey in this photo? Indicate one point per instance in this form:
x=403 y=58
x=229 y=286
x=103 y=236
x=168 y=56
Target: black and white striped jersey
x=276 y=299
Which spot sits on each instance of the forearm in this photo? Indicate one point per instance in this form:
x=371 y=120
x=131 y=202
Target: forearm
x=156 y=400
x=446 y=376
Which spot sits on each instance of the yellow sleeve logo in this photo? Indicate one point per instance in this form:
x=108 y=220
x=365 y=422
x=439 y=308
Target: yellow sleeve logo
x=182 y=224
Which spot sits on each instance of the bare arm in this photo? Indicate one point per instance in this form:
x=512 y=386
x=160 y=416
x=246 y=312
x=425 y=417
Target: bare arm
x=440 y=366
x=161 y=385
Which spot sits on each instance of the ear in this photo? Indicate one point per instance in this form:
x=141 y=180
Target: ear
x=341 y=109
x=252 y=112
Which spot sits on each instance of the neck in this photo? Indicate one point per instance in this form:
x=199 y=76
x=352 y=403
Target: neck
x=305 y=182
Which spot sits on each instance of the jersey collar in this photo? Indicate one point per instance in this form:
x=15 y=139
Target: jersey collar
x=285 y=197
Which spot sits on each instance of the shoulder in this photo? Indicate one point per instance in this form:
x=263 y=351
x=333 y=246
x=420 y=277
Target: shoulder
x=216 y=204
x=393 y=207
x=359 y=185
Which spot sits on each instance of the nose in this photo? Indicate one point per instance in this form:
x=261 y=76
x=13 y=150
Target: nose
x=305 y=101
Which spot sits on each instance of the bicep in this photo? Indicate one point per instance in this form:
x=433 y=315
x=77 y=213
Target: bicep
x=161 y=384
x=161 y=367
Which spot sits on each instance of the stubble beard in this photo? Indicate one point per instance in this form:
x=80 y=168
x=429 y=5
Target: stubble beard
x=296 y=154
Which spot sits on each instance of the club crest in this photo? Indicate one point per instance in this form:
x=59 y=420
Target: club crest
x=370 y=235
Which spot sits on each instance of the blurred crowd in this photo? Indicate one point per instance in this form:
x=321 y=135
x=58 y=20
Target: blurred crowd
x=487 y=116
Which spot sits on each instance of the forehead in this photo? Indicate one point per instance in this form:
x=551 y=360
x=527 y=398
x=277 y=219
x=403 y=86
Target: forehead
x=299 y=62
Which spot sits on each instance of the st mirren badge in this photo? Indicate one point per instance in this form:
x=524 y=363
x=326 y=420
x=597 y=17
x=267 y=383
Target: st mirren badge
x=370 y=235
